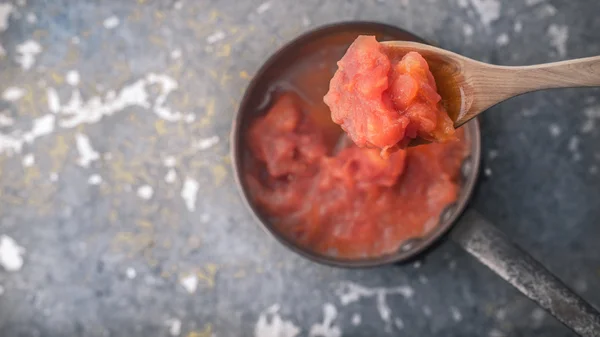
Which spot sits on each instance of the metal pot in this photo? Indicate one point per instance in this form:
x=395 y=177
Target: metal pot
x=469 y=229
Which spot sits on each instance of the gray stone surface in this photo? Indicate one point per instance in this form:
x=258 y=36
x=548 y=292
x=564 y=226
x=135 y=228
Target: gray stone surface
x=108 y=259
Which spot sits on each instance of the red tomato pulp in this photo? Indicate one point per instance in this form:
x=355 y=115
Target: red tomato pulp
x=329 y=195
x=384 y=102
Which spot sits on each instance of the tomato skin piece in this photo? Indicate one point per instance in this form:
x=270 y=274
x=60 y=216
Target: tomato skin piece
x=385 y=103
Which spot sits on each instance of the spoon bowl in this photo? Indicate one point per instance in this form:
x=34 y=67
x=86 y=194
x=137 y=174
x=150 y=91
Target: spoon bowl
x=469 y=87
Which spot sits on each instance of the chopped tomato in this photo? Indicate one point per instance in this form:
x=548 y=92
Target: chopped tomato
x=354 y=203
x=383 y=104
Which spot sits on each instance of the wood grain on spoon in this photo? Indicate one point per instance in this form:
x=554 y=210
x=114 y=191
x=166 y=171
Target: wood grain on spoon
x=469 y=87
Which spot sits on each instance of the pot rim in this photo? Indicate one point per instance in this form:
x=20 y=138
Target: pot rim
x=405 y=252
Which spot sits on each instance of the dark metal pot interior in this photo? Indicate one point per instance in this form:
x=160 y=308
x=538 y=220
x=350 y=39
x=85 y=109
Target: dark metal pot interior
x=256 y=98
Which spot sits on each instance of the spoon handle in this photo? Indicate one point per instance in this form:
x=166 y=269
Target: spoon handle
x=492 y=84
x=583 y=72
x=491 y=247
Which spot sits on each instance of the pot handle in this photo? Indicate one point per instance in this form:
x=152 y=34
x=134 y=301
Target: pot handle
x=492 y=248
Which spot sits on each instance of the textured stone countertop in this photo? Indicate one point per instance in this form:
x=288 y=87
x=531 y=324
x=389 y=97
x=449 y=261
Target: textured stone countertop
x=119 y=215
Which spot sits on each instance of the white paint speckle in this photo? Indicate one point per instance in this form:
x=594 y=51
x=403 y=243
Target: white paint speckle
x=178 y=5
x=592 y=114
x=588 y=126
x=174 y=326
x=546 y=11
x=41 y=126
x=5 y=120
x=356 y=319
x=87 y=154
x=270 y=324
x=26 y=54
x=171 y=176
x=204 y=218
x=215 y=37
x=11 y=254
x=53 y=100
x=12 y=94
x=349 y=292
x=488 y=173
x=501 y=314
x=518 y=27
x=326 y=328
x=31 y=18
x=145 y=192
x=53 y=176
x=573 y=144
x=502 y=40
x=28 y=160
x=593 y=169
x=207 y=143
x=427 y=311
x=75 y=40
x=265 y=6
x=529 y=112
x=77 y=111
x=496 y=333
x=189 y=118
x=399 y=323
x=169 y=161
x=456 y=315
x=5 y=10
x=488 y=10
x=306 y=21
x=468 y=30
x=423 y=279
x=95 y=179
x=111 y=22
x=168 y=84
x=72 y=77
x=176 y=54
x=538 y=315
x=189 y=283
x=493 y=154
x=559 y=34
x=130 y=273
x=189 y=193
x=463 y=3
x=13 y=143
x=533 y=2
x=554 y=130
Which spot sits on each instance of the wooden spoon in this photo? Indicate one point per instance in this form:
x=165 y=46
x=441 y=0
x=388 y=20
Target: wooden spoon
x=469 y=87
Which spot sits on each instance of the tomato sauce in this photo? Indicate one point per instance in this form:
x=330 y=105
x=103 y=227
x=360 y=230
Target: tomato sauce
x=385 y=102
x=320 y=190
